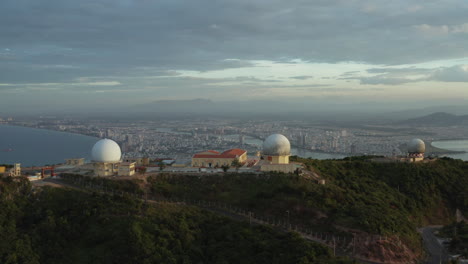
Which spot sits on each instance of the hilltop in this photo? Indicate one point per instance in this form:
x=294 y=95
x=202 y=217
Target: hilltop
x=360 y=198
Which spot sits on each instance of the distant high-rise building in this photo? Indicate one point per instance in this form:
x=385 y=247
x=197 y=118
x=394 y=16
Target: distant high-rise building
x=344 y=133
x=304 y=139
x=353 y=149
x=128 y=139
x=241 y=139
x=108 y=133
x=300 y=140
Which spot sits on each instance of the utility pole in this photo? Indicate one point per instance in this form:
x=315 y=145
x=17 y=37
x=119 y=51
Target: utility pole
x=250 y=218
x=288 y=218
x=334 y=247
x=440 y=256
x=354 y=244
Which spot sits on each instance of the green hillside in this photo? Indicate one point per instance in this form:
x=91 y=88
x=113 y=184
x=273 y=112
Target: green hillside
x=379 y=198
x=50 y=225
x=360 y=196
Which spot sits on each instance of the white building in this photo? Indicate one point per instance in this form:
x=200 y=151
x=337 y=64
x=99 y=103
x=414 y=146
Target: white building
x=416 y=150
x=15 y=171
x=276 y=152
x=106 y=156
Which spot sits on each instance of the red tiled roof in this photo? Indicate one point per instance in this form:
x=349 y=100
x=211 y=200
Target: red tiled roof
x=234 y=152
x=231 y=153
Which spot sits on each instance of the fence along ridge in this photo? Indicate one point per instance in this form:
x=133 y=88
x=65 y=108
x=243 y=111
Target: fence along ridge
x=343 y=244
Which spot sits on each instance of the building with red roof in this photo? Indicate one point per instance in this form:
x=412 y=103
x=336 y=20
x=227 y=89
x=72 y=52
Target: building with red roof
x=212 y=158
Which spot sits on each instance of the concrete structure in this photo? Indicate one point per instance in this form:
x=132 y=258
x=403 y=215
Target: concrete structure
x=211 y=158
x=127 y=169
x=416 y=150
x=285 y=168
x=139 y=161
x=104 y=169
x=75 y=162
x=106 y=156
x=15 y=171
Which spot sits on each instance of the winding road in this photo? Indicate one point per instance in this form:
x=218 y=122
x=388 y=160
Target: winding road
x=437 y=253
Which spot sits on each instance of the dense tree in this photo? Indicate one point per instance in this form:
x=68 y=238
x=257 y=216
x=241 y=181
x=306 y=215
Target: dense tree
x=236 y=164
x=52 y=225
x=380 y=198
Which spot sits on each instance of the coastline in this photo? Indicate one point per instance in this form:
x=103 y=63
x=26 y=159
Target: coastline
x=435 y=150
x=48 y=129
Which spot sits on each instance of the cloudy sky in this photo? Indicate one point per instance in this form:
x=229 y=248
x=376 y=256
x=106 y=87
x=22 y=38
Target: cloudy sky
x=88 y=52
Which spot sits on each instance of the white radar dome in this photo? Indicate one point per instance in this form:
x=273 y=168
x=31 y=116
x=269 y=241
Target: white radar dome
x=276 y=145
x=106 y=150
x=416 y=145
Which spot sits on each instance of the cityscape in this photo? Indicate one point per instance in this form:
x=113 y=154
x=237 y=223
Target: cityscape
x=180 y=139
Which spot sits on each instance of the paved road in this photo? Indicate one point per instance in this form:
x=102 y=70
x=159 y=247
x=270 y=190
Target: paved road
x=437 y=253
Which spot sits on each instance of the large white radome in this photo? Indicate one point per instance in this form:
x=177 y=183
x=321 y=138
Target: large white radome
x=106 y=150
x=416 y=145
x=276 y=145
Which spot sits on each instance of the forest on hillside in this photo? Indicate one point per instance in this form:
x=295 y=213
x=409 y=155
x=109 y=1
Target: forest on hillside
x=56 y=225
x=389 y=199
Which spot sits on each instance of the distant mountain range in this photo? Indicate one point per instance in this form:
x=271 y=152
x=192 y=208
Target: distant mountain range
x=438 y=119
x=315 y=109
x=176 y=106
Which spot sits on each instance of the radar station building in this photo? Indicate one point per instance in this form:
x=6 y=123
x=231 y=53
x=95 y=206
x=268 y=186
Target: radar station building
x=127 y=169
x=416 y=150
x=106 y=156
x=15 y=171
x=212 y=158
x=276 y=152
x=75 y=162
x=143 y=161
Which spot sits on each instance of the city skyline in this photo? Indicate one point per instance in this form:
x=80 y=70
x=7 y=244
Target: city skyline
x=82 y=55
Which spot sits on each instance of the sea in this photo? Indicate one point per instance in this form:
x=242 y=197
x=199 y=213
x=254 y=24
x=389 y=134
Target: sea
x=38 y=147
x=460 y=145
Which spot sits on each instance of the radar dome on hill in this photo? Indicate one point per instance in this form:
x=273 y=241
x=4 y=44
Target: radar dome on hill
x=416 y=145
x=276 y=145
x=106 y=150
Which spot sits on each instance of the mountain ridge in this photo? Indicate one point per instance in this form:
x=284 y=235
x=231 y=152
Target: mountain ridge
x=437 y=119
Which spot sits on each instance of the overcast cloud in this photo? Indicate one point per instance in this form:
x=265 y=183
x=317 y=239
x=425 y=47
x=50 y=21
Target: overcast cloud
x=170 y=49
